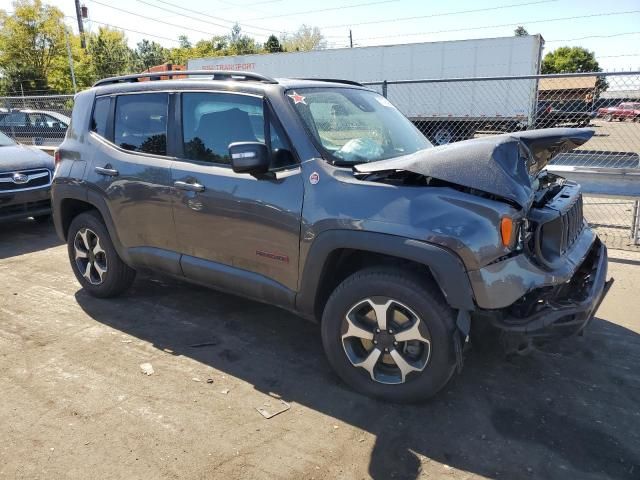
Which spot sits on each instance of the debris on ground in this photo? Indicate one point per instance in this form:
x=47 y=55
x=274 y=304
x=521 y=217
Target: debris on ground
x=267 y=411
x=205 y=344
x=147 y=368
x=209 y=380
x=225 y=391
x=196 y=379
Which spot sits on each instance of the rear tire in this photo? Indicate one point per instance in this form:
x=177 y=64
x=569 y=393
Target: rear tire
x=94 y=259
x=417 y=332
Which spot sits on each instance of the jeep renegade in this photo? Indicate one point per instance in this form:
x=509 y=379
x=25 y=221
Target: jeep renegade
x=320 y=197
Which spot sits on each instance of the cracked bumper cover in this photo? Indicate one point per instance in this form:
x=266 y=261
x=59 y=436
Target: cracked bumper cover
x=566 y=306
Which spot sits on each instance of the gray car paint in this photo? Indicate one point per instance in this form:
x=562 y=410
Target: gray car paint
x=461 y=224
x=502 y=165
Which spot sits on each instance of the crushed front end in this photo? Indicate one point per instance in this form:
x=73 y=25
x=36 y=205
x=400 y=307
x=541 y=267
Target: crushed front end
x=557 y=283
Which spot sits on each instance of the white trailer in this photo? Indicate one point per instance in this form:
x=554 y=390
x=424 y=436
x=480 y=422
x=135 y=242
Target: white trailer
x=444 y=110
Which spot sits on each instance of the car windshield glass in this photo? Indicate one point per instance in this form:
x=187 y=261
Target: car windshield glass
x=356 y=126
x=5 y=141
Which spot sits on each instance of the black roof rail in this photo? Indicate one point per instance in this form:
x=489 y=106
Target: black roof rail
x=214 y=74
x=333 y=80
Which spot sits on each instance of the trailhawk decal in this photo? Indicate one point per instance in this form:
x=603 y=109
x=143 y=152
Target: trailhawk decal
x=273 y=256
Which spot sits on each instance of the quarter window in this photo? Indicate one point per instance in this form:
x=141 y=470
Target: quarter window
x=141 y=123
x=100 y=116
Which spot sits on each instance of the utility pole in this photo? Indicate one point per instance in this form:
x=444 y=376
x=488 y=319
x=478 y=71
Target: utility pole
x=350 y=39
x=80 y=24
x=73 y=74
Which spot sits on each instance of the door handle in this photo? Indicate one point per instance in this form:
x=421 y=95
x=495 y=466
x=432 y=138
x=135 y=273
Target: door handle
x=190 y=187
x=110 y=172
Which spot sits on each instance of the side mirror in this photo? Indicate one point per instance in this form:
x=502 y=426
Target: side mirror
x=249 y=157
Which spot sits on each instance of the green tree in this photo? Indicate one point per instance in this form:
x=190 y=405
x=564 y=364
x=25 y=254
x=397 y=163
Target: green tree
x=305 y=39
x=272 y=45
x=149 y=54
x=241 y=44
x=570 y=60
x=574 y=60
x=110 y=55
x=32 y=44
x=520 y=31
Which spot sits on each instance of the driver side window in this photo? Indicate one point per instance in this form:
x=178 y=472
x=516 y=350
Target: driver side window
x=212 y=121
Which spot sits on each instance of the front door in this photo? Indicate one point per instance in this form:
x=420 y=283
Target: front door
x=235 y=230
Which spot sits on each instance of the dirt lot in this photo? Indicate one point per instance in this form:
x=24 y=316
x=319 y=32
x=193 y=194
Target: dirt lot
x=76 y=405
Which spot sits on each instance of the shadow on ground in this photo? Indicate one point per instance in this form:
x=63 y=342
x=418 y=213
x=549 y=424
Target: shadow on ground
x=570 y=411
x=26 y=236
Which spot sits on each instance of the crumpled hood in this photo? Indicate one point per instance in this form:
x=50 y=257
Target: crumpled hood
x=502 y=165
x=22 y=157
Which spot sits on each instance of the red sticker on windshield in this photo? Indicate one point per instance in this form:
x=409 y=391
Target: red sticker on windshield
x=297 y=98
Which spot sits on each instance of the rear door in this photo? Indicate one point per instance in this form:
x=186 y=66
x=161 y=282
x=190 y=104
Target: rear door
x=229 y=225
x=132 y=172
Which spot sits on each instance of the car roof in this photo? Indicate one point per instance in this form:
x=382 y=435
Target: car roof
x=253 y=83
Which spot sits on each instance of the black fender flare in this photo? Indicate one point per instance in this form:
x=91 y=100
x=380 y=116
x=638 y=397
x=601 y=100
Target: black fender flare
x=61 y=192
x=445 y=266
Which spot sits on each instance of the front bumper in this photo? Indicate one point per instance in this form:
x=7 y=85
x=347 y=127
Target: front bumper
x=29 y=203
x=560 y=310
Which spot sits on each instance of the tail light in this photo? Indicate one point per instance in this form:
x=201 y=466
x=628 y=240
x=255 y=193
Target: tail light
x=56 y=157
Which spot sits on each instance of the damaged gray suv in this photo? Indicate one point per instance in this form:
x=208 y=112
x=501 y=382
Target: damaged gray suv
x=321 y=198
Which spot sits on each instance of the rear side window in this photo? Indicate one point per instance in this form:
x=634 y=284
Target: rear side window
x=100 y=116
x=141 y=122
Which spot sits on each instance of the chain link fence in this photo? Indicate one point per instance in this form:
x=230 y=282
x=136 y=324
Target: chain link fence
x=451 y=110
x=36 y=120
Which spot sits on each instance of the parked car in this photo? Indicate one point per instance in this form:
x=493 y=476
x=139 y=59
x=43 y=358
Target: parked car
x=25 y=181
x=624 y=111
x=563 y=114
x=265 y=188
x=35 y=127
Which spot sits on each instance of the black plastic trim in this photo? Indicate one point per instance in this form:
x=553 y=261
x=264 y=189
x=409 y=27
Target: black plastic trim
x=236 y=281
x=447 y=269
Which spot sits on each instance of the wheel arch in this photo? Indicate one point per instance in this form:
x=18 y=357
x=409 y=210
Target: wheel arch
x=68 y=203
x=335 y=254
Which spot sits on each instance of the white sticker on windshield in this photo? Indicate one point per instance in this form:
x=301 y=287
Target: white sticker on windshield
x=383 y=101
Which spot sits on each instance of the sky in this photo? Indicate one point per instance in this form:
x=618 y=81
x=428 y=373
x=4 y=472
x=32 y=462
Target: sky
x=611 y=29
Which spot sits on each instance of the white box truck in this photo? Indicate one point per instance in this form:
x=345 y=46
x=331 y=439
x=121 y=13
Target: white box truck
x=444 y=110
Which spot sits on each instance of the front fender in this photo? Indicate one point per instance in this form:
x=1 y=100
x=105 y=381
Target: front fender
x=447 y=269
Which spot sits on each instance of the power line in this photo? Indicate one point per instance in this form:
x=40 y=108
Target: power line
x=342 y=7
x=621 y=34
x=151 y=19
x=205 y=15
x=117 y=27
x=529 y=22
x=444 y=14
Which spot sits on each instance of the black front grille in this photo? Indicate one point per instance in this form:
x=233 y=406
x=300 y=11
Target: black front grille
x=572 y=222
x=10 y=181
x=557 y=225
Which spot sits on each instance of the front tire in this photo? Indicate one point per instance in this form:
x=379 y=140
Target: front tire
x=94 y=259
x=389 y=335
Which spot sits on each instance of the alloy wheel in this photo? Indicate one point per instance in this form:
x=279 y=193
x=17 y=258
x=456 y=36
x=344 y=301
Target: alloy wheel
x=386 y=338
x=89 y=256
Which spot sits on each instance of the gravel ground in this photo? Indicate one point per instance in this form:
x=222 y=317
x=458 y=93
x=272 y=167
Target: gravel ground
x=75 y=403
